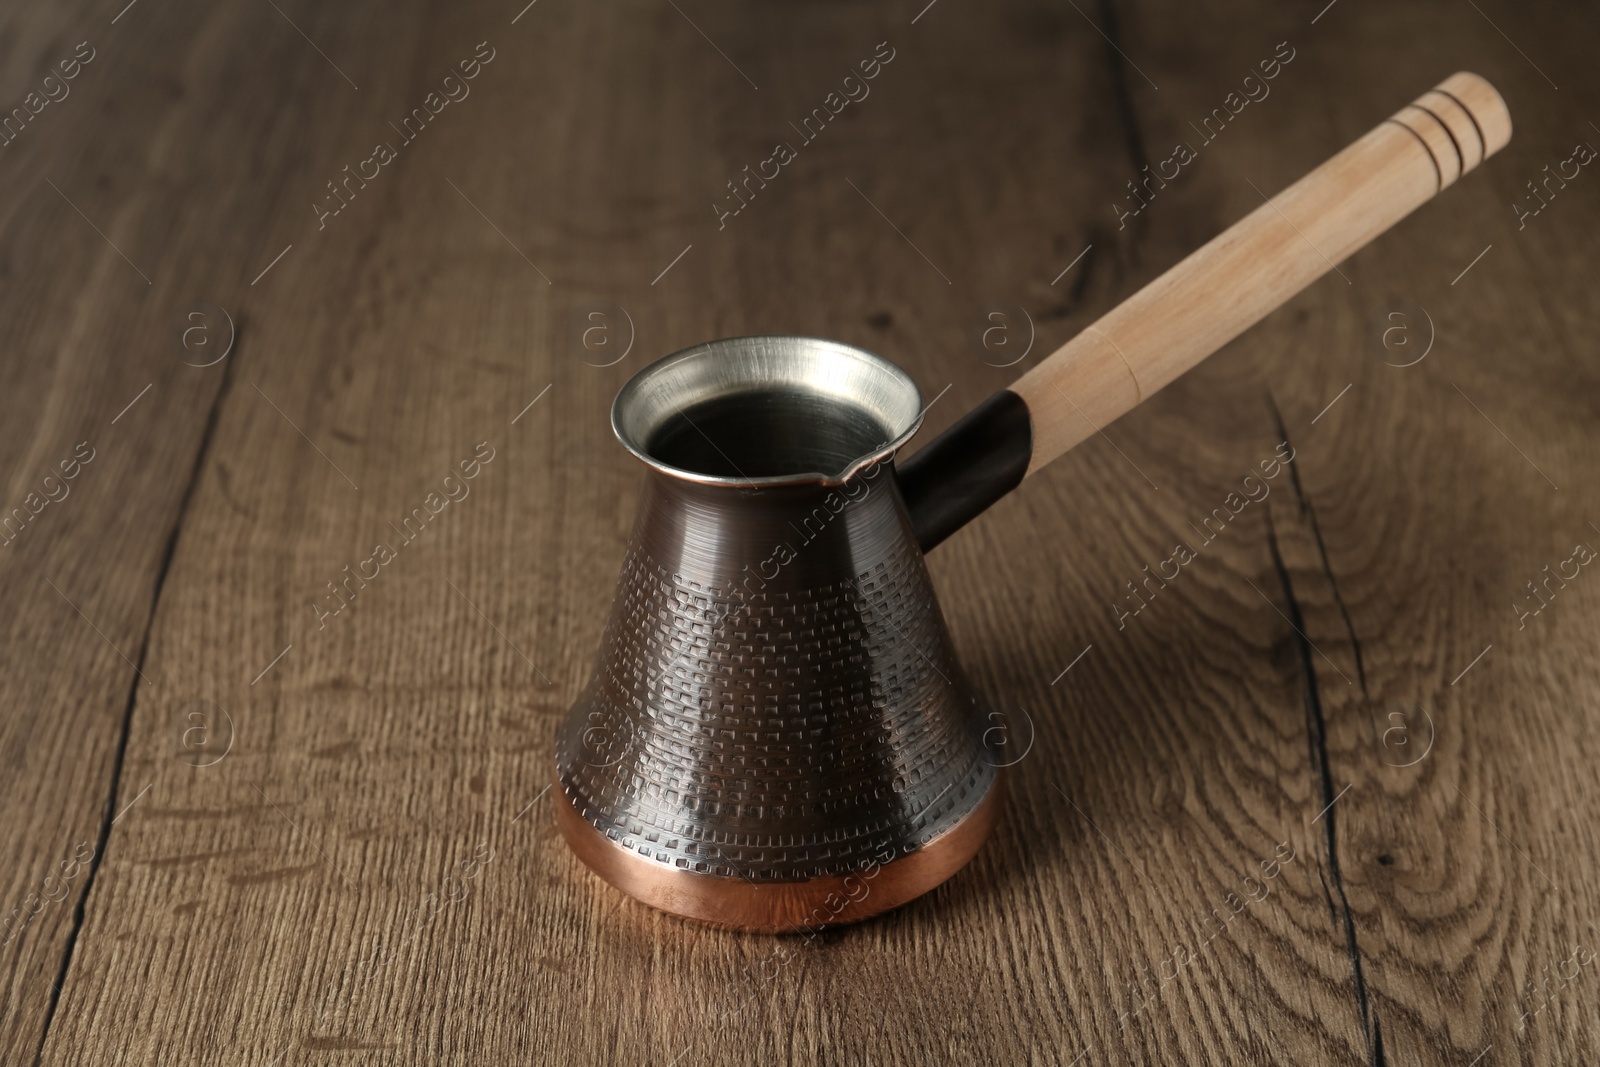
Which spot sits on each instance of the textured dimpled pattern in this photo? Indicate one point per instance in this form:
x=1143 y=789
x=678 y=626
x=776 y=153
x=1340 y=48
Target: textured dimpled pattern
x=776 y=731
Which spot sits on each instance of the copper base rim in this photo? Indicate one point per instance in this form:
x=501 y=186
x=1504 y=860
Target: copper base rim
x=782 y=907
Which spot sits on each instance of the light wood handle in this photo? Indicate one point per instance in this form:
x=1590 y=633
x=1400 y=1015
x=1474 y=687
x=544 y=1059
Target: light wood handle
x=1260 y=262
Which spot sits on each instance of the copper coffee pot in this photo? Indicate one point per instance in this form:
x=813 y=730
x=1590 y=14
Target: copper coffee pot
x=777 y=736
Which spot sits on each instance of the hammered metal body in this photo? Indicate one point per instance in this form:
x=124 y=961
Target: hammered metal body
x=776 y=699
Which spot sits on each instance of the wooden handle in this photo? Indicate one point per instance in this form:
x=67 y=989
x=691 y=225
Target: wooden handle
x=1260 y=262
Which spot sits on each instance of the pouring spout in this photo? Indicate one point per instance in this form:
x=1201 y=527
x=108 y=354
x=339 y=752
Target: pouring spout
x=955 y=477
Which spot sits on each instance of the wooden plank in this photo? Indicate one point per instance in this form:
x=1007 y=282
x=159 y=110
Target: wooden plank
x=1453 y=862
x=370 y=869
x=125 y=214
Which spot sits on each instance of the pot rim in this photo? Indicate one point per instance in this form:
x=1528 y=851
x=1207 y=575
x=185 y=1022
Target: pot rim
x=840 y=373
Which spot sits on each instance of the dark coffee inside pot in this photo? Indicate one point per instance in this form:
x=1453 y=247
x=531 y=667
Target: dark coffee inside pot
x=767 y=434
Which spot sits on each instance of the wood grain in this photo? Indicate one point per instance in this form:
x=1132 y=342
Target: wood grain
x=370 y=873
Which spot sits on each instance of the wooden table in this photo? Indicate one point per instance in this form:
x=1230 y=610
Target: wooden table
x=1328 y=798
